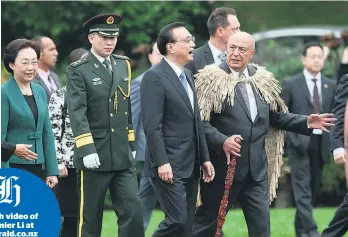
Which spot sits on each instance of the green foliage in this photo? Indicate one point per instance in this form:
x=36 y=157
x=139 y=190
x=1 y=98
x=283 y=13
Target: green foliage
x=142 y=20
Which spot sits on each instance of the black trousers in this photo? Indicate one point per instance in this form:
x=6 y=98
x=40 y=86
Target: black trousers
x=66 y=194
x=178 y=202
x=34 y=169
x=123 y=187
x=306 y=176
x=339 y=224
x=251 y=194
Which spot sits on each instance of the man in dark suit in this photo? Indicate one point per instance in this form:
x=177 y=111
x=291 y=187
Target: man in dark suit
x=339 y=224
x=221 y=24
x=146 y=193
x=98 y=91
x=45 y=77
x=176 y=146
x=305 y=93
x=247 y=106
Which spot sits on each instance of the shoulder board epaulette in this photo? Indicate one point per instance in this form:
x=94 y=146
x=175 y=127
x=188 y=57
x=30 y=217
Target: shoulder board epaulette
x=121 y=57
x=79 y=62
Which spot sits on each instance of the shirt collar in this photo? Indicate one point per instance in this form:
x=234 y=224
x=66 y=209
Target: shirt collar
x=176 y=69
x=215 y=51
x=100 y=59
x=43 y=75
x=236 y=74
x=309 y=76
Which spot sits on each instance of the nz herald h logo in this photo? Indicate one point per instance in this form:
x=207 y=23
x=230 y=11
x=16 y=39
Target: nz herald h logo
x=9 y=190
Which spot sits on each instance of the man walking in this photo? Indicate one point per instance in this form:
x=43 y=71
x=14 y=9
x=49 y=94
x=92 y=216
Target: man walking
x=242 y=100
x=176 y=146
x=308 y=92
x=98 y=91
x=146 y=193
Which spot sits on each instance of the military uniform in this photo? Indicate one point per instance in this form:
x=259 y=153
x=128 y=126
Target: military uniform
x=99 y=108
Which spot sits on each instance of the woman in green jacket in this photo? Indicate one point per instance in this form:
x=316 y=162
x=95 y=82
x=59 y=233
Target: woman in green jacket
x=24 y=113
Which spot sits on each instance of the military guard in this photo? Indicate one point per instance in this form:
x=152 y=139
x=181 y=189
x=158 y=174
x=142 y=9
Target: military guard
x=98 y=89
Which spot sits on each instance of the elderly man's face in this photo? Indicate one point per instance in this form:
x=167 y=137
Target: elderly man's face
x=240 y=50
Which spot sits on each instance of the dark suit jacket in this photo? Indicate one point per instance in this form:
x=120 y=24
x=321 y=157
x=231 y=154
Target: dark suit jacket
x=38 y=80
x=18 y=125
x=136 y=118
x=7 y=150
x=341 y=97
x=236 y=120
x=174 y=132
x=202 y=56
x=296 y=95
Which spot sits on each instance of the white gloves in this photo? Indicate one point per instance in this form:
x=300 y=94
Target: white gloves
x=134 y=153
x=91 y=161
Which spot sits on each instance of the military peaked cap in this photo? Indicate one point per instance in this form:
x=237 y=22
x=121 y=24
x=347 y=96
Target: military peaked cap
x=104 y=24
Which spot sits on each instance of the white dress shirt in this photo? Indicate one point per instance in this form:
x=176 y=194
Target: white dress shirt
x=101 y=59
x=178 y=71
x=310 y=85
x=251 y=96
x=44 y=76
x=216 y=52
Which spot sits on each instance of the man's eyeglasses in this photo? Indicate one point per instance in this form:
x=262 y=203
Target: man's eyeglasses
x=188 y=39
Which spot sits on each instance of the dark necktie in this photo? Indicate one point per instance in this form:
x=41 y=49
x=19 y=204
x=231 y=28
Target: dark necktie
x=316 y=99
x=243 y=90
x=107 y=65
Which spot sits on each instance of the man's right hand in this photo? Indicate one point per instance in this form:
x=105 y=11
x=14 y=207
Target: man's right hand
x=340 y=158
x=91 y=161
x=22 y=151
x=232 y=147
x=165 y=173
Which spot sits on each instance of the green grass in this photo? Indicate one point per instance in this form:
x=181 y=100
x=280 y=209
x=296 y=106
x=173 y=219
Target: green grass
x=281 y=222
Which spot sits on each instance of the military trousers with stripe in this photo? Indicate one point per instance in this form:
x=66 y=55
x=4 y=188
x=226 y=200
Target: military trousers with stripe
x=123 y=187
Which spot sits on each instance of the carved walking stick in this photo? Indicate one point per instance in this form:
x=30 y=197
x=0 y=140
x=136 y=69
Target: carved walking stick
x=224 y=201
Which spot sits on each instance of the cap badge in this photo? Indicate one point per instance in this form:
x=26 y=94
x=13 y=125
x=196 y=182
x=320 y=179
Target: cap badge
x=110 y=20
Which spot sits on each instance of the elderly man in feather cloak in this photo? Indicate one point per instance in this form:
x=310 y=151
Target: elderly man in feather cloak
x=240 y=99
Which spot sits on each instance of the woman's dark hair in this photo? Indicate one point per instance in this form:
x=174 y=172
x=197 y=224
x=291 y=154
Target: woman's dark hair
x=12 y=49
x=76 y=54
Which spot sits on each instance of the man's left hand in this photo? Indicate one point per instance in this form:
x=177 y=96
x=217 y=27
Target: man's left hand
x=321 y=121
x=208 y=171
x=51 y=181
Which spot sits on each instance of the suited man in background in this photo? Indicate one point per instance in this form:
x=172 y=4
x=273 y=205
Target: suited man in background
x=176 y=146
x=146 y=193
x=221 y=24
x=45 y=77
x=305 y=93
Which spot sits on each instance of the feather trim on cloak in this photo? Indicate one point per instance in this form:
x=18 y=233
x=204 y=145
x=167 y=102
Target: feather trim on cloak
x=215 y=87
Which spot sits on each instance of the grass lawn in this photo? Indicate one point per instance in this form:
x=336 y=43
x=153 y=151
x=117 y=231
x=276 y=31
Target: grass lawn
x=281 y=222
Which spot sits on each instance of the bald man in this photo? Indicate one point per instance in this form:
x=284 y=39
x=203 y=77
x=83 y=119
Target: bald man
x=249 y=107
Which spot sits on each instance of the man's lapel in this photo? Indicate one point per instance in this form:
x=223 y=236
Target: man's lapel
x=325 y=103
x=208 y=54
x=302 y=84
x=37 y=79
x=116 y=75
x=173 y=78
x=99 y=69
